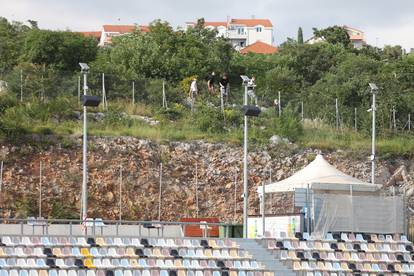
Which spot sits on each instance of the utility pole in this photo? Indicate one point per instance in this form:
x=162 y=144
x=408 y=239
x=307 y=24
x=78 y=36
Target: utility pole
x=245 y=171
x=263 y=209
x=120 y=192
x=104 y=100
x=133 y=93
x=40 y=189
x=79 y=93
x=160 y=194
x=374 y=90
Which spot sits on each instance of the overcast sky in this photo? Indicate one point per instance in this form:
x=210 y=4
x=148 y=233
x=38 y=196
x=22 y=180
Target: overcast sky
x=384 y=21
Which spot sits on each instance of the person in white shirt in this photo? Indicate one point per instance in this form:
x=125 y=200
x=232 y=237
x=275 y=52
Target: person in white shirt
x=251 y=85
x=193 y=92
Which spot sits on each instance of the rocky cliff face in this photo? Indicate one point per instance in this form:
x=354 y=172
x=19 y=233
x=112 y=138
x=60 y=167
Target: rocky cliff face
x=217 y=167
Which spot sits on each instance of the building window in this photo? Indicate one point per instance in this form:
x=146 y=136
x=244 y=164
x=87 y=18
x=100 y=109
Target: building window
x=259 y=29
x=240 y=31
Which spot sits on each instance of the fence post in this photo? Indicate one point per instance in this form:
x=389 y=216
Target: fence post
x=21 y=85
x=355 y=121
x=160 y=194
x=1 y=176
x=280 y=104
x=133 y=92
x=40 y=189
x=79 y=93
x=337 y=113
x=196 y=189
x=120 y=193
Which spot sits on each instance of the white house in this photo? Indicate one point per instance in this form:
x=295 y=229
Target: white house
x=356 y=36
x=108 y=31
x=242 y=32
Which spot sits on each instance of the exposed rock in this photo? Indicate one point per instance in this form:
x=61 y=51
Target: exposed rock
x=218 y=166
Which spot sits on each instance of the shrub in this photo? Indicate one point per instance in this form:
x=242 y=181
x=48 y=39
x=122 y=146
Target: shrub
x=289 y=125
x=185 y=84
x=209 y=119
x=233 y=117
x=174 y=113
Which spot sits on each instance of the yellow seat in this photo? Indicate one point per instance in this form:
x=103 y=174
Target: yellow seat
x=43 y=273
x=292 y=256
x=347 y=256
x=100 y=241
x=130 y=252
x=134 y=263
x=85 y=252
x=233 y=273
x=234 y=253
x=178 y=263
x=297 y=266
x=344 y=266
x=88 y=263
x=2 y=252
x=156 y=252
x=57 y=252
x=213 y=244
x=181 y=273
x=208 y=253
x=268 y=273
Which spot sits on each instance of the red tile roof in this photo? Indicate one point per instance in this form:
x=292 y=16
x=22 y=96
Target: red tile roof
x=122 y=29
x=252 y=22
x=259 y=47
x=96 y=35
x=216 y=24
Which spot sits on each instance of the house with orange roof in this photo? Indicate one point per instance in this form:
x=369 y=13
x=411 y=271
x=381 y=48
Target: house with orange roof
x=259 y=47
x=109 y=31
x=242 y=32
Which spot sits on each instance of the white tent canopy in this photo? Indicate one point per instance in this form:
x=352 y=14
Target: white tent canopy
x=320 y=175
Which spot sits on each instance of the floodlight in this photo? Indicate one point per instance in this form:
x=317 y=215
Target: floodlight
x=84 y=67
x=251 y=110
x=91 y=100
x=373 y=86
x=245 y=79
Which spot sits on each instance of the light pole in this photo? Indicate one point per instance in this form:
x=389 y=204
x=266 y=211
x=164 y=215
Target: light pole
x=248 y=110
x=374 y=91
x=87 y=101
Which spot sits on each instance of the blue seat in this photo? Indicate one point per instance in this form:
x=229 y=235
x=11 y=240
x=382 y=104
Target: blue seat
x=142 y=263
x=40 y=263
x=53 y=273
x=23 y=273
x=125 y=263
x=118 y=273
x=4 y=273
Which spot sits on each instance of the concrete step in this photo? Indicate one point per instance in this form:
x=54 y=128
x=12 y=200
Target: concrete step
x=262 y=255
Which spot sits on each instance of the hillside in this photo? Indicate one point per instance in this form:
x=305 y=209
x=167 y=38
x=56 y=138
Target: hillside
x=140 y=159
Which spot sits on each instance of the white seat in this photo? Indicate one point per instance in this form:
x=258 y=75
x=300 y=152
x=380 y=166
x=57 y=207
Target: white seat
x=60 y=263
x=90 y=273
x=33 y=272
x=63 y=272
x=118 y=242
x=53 y=272
x=72 y=273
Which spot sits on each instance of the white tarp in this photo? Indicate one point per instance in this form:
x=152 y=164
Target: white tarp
x=320 y=175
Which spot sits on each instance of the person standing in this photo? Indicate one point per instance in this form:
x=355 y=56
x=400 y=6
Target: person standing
x=251 y=86
x=193 y=92
x=210 y=82
x=224 y=84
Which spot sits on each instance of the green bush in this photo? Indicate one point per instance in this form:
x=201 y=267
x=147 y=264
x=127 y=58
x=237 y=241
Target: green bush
x=116 y=118
x=209 y=119
x=173 y=113
x=289 y=125
x=234 y=117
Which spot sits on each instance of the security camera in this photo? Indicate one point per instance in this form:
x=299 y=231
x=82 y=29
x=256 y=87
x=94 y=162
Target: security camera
x=245 y=79
x=373 y=86
x=84 y=67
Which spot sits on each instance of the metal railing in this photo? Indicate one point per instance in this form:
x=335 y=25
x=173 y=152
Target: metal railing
x=125 y=228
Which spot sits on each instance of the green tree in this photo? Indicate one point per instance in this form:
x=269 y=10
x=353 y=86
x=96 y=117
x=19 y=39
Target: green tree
x=11 y=41
x=61 y=50
x=334 y=35
x=300 y=36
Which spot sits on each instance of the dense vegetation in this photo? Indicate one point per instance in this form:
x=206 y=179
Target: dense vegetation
x=40 y=67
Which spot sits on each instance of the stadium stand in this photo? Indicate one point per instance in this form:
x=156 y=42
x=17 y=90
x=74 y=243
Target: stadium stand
x=124 y=256
x=343 y=253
